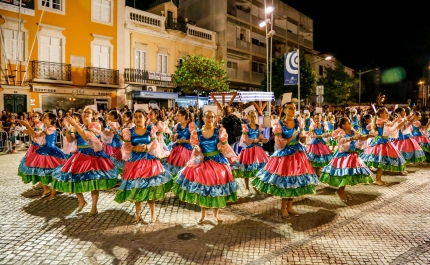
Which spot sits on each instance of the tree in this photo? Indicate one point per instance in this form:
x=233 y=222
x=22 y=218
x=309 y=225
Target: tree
x=307 y=78
x=197 y=74
x=338 y=85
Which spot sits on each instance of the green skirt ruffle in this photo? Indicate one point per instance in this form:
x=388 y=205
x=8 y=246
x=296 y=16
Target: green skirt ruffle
x=237 y=173
x=139 y=195
x=203 y=201
x=35 y=178
x=83 y=186
x=386 y=167
x=283 y=192
x=416 y=160
x=339 y=181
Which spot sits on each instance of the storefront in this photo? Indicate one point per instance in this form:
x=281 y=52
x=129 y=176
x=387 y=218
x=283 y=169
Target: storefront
x=162 y=99
x=51 y=97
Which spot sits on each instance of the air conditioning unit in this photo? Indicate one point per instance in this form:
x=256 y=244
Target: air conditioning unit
x=151 y=88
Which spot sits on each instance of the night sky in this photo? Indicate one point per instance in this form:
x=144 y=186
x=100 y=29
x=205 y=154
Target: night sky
x=368 y=34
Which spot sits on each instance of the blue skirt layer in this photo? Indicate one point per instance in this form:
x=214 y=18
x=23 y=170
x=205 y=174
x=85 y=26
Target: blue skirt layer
x=203 y=190
x=333 y=171
x=290 y=150
x=286 y=182
x=143 y=183
x=62 y=176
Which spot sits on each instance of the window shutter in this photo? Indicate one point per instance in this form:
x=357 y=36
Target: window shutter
x=248 y=36
x=237 y=32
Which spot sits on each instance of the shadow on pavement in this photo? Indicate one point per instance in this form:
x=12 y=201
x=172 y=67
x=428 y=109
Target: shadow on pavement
x=177 y=240
x=32 y=193
x=312 y=220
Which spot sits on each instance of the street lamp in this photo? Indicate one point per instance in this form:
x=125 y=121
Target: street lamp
x=269 y=34
x=328 y=58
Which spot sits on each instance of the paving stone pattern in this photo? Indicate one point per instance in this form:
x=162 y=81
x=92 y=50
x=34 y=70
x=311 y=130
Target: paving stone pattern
x=381 y=225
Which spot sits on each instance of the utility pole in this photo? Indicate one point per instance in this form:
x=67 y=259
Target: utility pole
x=359 y=81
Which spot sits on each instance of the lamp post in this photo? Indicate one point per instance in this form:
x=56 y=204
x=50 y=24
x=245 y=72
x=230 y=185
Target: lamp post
x=359 y=81
x=269 y=34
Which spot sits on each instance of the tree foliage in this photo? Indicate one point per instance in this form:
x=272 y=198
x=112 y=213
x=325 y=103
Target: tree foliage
x=198 y=74
x=307 y=78
x=338 y=85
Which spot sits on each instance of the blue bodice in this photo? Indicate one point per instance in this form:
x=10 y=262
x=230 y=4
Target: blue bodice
x=355 y=122
x=319 y=131
x=380 y=131
x=253 y=134
x=294 y=145
x=352 y=147
x=50 y=148
x=116 y=142
x=86 y=149
x=364 y=130
x=416 y=131
x=209 y=147
x=183 y=134
x=137 y=139
x=307 y=124
x=330 y=126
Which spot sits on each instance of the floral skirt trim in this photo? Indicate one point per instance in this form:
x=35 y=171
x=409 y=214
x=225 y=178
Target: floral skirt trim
x=27 y=178
x=118 y=163
x=351 y=180
x=203 y=201
x=283 y=192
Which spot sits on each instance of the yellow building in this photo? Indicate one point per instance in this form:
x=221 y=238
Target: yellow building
x=155 y=40
x=58 y=54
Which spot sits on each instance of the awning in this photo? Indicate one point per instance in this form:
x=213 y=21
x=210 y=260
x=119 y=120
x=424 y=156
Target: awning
x=246 y=96
x=158 y=95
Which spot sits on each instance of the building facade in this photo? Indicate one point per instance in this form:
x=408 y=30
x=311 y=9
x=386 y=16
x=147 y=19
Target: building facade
x=58 y=54
x=154 y=43
x=242 y=42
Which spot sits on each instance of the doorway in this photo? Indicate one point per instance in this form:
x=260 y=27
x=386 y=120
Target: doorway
x=15 y=103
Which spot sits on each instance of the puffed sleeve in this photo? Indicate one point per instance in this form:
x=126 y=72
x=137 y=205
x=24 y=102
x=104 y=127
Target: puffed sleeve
x=342 y=141
x=70 y=147
x=224 y=147
x=154 y=147
x=192 y=126
x=94 y=129
x=279 y=141
x=40 y=137
x=127 y=147
x=244 y=139
x=197 y=155
x=391 y=129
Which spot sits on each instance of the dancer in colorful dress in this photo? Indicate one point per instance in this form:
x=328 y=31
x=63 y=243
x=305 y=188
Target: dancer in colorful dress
x=365 y=127
x=144 y=177
x=207 y=179
x=155 y=119
x=252 y=158
x=318 y=152
x=90 y=168
x=419 y=133
x=38 y=126
x=288 y=174
x=111 y=139
x=355 y=119
x=346 y=168
x=407 y=145
x=40 y=164
x=127 y=120
x=181 y=150
x=381 y=153
x=330 y=121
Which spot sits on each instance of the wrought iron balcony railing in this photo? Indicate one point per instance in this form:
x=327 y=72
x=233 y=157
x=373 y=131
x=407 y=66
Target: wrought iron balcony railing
x=147 y=77
x=102 y=76
x=51 y=71
x=175 y=24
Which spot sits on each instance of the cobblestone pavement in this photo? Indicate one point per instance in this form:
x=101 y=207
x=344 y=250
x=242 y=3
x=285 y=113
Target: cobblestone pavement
x=381 y=225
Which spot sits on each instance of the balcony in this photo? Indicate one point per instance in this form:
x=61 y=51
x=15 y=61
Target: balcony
x=200 y=33
x=280 y=32
x=102 y=76
x=143 y=18
x=50 y=72
x=259 y=50
x=240 y=44
x=292 y=36
x=239 y=74
x=174 y=24
x=257 y=77
x=308 y=43
x=235 y=10
x=138 y=76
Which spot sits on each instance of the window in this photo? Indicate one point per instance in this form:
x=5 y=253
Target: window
x=162 y=63
x=102 y=11
x=232 y=65
x=258 y=67
x=321 y=70
x=140 y=60
x=53 y=4
x=50 y=49
x=101 y=56
x=14 y=44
